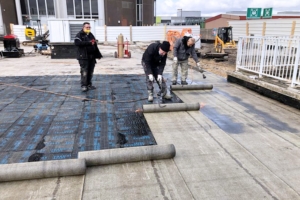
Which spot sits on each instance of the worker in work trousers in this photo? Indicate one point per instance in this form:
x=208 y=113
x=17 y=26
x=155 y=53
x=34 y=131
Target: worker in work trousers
x=87 y=52
x=154 y=62
x=182 y=50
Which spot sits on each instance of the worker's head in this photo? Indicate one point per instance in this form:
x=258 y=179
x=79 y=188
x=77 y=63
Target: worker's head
x=86 y=27
x=164 y=48
x=191 y=41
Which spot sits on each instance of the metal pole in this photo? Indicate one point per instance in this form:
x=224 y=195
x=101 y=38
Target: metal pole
x=19 y=12
x=181 y=16
x=295 y=72
x=155 y=11
x=37 y=9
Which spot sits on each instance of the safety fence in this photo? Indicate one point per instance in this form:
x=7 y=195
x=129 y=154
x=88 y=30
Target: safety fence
x=276 y=57
x=110 y=33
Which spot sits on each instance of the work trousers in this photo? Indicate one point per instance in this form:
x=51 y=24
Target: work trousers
x=163 y=86
x=87 y=70
x=184 y=70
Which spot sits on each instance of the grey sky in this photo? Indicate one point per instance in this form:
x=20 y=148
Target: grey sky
x=211 y=8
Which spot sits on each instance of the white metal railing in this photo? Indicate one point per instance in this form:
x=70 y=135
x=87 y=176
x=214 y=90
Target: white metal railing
x=276 y=57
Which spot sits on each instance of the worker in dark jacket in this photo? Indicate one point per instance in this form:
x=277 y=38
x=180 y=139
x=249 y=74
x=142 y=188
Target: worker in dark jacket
x=87 y=53
x=154 y=61
x=184 y=48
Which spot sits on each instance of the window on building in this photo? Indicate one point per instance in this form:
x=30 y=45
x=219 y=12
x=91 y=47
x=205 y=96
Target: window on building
x=86 y=8
x=70 y=7
x=42 y=7
x=24 y=7
x=94 y=4
x=33 y=7
x=78 y=8
x=126 y=4
x=83 y=8
x=50 y=7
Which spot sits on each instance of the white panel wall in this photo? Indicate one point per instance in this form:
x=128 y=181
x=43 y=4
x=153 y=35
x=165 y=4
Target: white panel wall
x=114 y=31
x=59 y=33
x=148 y=33
x=274 y=27
x=100 y=34
x=56 y=31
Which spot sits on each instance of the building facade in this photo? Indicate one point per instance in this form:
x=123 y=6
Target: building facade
x=105 y=12
x=222 y=19
x=8 y=15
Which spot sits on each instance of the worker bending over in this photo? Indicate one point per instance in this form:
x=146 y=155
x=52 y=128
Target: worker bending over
x=154 y=62
x=184 y=48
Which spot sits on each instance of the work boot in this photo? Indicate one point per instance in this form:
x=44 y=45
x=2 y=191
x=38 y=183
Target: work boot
x=91 y=87
x=167 y=96
x=174 y=82
x=150 y=95
x=184 y=83
x=84 y=88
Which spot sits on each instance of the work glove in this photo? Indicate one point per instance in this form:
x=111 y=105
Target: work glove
x=175 y=60
x=159 y=78
x=150 y=77
x=198 y=64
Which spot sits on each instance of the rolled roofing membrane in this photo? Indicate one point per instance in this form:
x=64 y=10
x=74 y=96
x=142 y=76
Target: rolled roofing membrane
x=191 y=87
x=176 y=107
x=42 y=169
x=126 y=155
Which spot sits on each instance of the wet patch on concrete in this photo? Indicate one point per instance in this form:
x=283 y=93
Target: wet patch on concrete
x=224 y=122
x=266 y=118
x=37 y=125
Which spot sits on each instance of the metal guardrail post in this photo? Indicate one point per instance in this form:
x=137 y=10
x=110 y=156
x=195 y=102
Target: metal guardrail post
x=239 y=53
x=296 y=66
x=263 y=53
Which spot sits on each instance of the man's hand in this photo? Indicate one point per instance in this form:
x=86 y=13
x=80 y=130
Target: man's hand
x=150 y=77
x=198 y=64
x=93 y=41
x=159 y=78
x=175 y=60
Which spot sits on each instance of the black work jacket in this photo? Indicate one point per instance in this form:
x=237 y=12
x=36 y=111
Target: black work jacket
x=85 y=49
x=153 y=60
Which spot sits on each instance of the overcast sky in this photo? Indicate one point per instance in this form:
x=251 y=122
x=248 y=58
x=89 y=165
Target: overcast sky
x=215 y=7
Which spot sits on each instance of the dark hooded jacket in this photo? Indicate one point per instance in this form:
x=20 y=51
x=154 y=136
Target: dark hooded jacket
x=85 y=49
x=182 y=51
x=152 y=59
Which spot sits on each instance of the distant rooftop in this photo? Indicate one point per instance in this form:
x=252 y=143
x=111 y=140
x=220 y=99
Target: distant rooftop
x=289 y=13
x=237 y=12
x=184 y=13
x=282 y=13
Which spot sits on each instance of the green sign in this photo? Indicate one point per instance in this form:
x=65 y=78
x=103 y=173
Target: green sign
x=267 y=13
x=253 y=13
x=158 y=19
